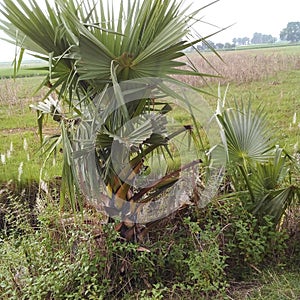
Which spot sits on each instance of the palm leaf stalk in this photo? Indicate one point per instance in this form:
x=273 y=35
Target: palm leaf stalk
x=90 y=51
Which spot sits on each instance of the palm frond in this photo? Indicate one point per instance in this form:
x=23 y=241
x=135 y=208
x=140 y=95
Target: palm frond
x=248 y=136
x=270 y=175
x=276 y=202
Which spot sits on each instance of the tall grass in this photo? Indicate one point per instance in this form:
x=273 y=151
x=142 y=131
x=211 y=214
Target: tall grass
x=20 y=91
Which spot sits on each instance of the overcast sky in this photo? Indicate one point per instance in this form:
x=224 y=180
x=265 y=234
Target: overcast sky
x=248 y=16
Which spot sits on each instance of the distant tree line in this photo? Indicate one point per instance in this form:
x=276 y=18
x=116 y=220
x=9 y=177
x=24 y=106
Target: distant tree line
x=209 y=44
x=291 y=34
x=258 y=38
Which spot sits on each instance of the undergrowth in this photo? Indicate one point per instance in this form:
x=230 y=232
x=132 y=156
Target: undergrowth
x=197 y=254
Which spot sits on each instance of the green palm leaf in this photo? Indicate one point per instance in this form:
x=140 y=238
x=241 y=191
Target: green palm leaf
x=248 y=137
x=275 y=202
x=269 y=175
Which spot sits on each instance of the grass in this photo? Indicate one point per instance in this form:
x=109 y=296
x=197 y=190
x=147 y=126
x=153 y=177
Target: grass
x=279 y=286
x=18 y=124
x=21 y=160
x=279 y=95
x=267 y=77
x=280 y=46
x=271 y=285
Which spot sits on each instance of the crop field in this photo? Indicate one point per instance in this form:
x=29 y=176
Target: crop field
x=244 y=66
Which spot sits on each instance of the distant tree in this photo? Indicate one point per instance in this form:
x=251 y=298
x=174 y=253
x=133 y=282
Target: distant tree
x=245 y=40
x=229 y=46
x=211 y=44
x=259 y=38
x=203 y=46
x=219 y=46
x=291 y=33
x=272 y=39
x=199 y=47
x=268 y=39
x=239 y=41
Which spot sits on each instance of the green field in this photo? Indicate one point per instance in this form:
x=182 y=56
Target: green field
x=285 y=47
x=26 y=70
x=18 y=124
x=279 y=96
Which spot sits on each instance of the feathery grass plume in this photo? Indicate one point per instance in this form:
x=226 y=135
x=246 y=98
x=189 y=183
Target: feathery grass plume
x=294 y=118
x=8 y=154
x=3 y=159
x=20 y=171
x=25 y=145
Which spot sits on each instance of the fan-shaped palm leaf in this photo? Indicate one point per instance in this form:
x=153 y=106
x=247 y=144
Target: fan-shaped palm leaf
x=275 y=202
x=270 y=175
x=248 y=137
x=257 y=170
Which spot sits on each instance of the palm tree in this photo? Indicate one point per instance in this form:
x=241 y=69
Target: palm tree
x=91 y=50
x=260 y=172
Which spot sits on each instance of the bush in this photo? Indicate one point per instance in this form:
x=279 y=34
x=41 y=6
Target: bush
x=78 y=258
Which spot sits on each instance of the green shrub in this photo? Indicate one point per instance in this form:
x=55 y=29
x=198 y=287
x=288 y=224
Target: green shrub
x=52 y=263
x=206 y=263
x=248 y=243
